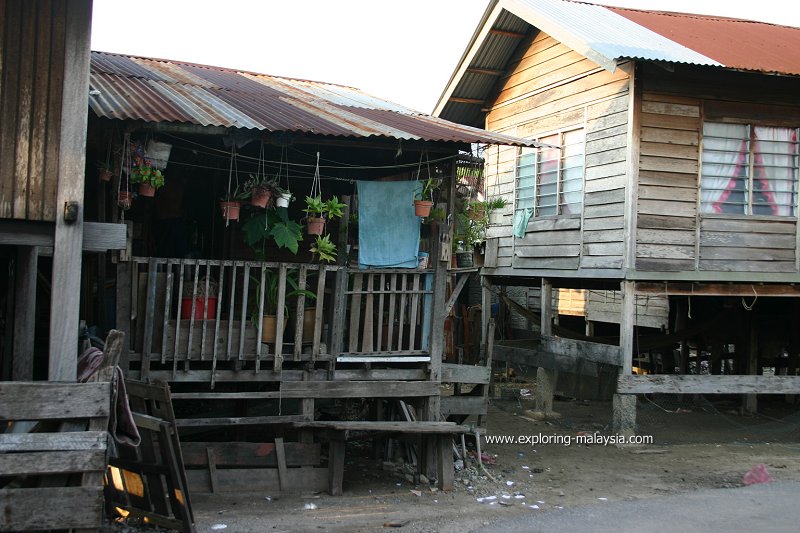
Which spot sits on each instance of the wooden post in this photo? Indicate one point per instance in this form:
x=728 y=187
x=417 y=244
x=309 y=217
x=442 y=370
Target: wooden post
x=486 y=310
x=68 y=241
x=751 y=400
x=624 y=405
x=24 y=313
x=123 y=312
x=546 y=378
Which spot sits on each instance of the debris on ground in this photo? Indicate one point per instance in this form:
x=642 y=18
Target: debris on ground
x=757 y=474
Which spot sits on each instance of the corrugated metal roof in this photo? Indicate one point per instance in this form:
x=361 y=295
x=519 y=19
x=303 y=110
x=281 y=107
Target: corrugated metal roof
x=601 y=34
x=157 y=90
x=605 y=35
x=735 y=43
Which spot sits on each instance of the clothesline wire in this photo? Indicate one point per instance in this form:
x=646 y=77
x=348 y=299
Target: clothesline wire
x=216 y=152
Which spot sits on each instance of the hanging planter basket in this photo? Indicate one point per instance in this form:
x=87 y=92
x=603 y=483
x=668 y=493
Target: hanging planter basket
x=260 y=197
x=422 y=208
x=476 y=212
x=105 y=174
x=125 y=199
x=315 y=225
x=230 y=210
x=146 y=189
x=284 y=199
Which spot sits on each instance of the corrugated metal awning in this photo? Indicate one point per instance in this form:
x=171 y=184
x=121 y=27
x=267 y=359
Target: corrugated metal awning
x=155 y=90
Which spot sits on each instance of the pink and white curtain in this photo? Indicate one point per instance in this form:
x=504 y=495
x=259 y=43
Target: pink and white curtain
x=775 y=167
x=725 y=160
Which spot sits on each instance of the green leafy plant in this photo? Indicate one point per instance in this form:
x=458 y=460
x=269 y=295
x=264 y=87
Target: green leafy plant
x=496 y=203
x=438 y=214
x=271 y=286
x=147 y=174
x=237 y=195
x=275 y=224
x=330 y=209
x=324 y=249
x=426 y=190
x=259 y=183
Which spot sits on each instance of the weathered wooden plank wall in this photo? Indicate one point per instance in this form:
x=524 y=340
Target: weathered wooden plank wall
x=549 y=87
x=671 y=234
x=32 y=52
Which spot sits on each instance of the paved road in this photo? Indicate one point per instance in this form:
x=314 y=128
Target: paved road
x=770 y=508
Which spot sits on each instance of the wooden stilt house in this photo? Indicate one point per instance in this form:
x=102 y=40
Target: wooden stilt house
x=352 y=346
x=666 y=207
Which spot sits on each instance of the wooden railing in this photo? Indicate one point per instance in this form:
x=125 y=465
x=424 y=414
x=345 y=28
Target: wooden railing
x=389 y=312
x=186 y=310
x=211 y=310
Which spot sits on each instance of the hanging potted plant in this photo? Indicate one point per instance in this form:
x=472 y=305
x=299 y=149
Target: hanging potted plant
x=104 y=171
x=204 y=300
x=149 y=179
x=424 y=199
x=283 y=197
x=124 y=198
x=494 y=206
x=231 y=204
x=259 y=190
x=324 y=249
x=320 y=212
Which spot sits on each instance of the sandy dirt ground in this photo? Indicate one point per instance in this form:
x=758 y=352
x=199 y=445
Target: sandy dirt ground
x=696 y=446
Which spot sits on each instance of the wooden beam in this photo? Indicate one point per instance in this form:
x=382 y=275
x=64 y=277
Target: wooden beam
x=546 y=326
x=24 y=313
x=474 y=101
x=68 y=240
x=485 y=71
x=588 y=351
x=505 y=33
x=626 y=325
x=693 y=384
x=452 y=373
x=462 y=280
x=718 y=289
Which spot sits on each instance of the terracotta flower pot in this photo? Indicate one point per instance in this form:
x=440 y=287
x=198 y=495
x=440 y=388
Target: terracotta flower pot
x=125 y=199
x=260 y=197
x=315 y=226
x=422 y=208
x=230 y=210
x=476 y=213
x=201 y=304
x=106 y=175
x=145 y=189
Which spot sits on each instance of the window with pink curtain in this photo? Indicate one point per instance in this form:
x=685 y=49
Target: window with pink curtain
x=749 y=170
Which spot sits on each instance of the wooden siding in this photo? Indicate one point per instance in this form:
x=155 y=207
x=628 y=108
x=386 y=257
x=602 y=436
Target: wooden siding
x=651 y=311
x=671 y=234
x=32 y=48
x=549 y=87
x=747 y=244
x=667 y=191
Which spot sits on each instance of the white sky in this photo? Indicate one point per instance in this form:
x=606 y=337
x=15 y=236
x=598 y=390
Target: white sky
x=399 y=50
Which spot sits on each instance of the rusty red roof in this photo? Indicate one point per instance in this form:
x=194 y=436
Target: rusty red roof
x=736 y=43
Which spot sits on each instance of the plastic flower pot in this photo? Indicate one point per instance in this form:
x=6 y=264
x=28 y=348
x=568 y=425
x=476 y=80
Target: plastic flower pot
x=495 y=218
x=260 y=197
x=201 y=304
x=283 y=200
x=422 y=208
x=269 y=328
x=315 y=226
x=106 y=175
x=230 y=210
x=145 y=189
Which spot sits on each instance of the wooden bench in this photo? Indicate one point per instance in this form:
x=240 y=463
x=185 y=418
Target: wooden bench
x=436 y=435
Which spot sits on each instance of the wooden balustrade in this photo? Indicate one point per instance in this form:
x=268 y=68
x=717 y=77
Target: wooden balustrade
x=186 y=310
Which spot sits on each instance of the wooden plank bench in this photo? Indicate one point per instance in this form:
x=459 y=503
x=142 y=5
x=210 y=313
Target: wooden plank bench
x=435 y=434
